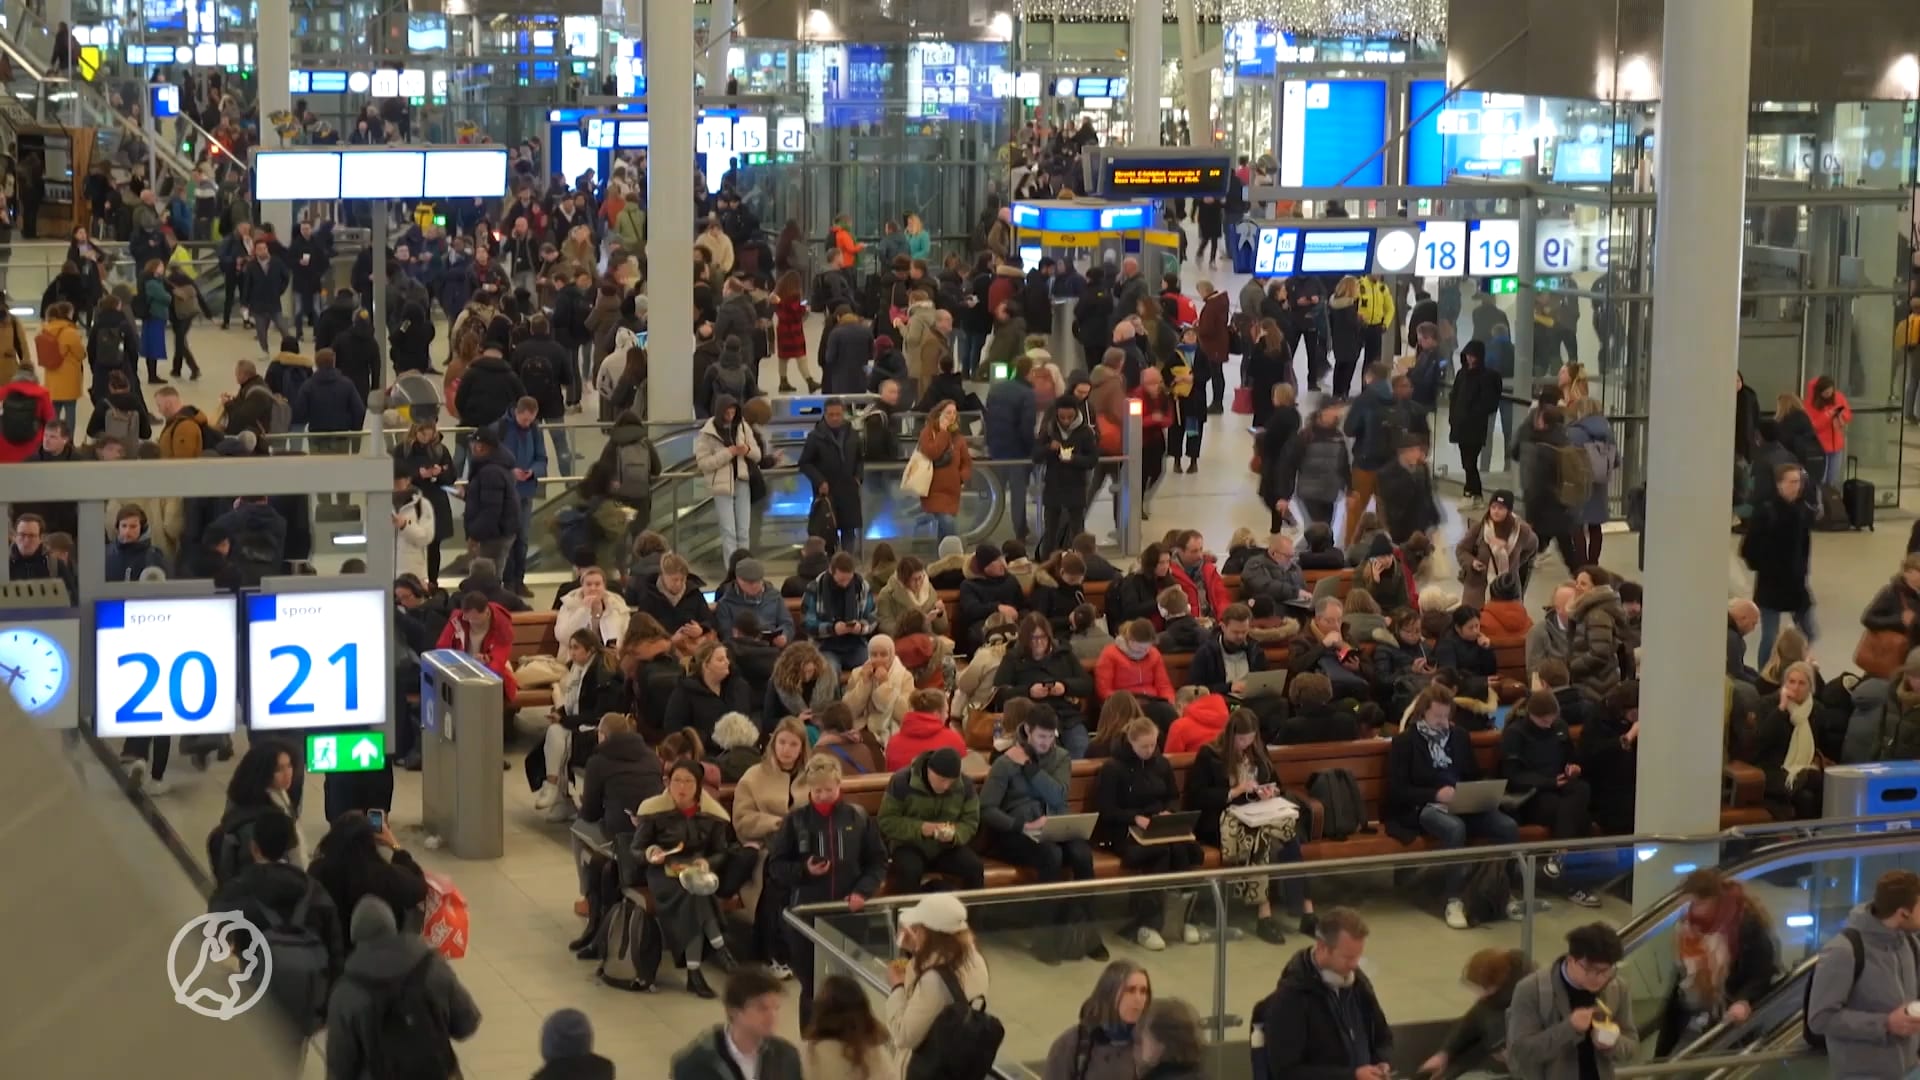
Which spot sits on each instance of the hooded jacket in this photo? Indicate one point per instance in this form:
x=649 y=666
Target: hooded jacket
x=1068 y=454
x=1852 y=1014
x=1116 y=671
x=329 y=402
x=911 y=802
x=921 y=732
x=768 y=607
x=1018 y=792
x=1307 y=1030
x=694 y=704
x=492 y=510
x=1599 y=630
x=716 y=463
x=1205 y=717
x=1127 y=787
x=488 y=390
x=63 y=383
x=126 y=560
x=1209 y=667
x=266 y=893
x=382 y=959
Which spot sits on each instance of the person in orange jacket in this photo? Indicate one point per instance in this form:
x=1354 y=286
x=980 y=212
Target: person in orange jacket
x=1828 y=409
x=1201 y=721
x=843 y=239
x=924 y=728
x=1133 y=663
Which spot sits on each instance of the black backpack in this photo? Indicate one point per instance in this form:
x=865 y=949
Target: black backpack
x=410 y=1037
x=19 y=417
x=1816 y=1041
x=963 y=1041
x=299 y=981
x=1487 y=892
x=1343 y=810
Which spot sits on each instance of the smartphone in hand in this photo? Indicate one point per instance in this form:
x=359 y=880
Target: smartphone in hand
x=377 y=819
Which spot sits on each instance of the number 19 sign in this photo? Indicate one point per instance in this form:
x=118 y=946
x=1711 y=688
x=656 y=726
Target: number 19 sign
x=165 y=666
x=315 y=660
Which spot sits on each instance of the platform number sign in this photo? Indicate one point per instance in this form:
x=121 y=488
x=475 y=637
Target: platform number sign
x=1493 y=248
x=791 y=131
x=750 y=135
x=1443 y=250
x=165 y=666
x=315 y=660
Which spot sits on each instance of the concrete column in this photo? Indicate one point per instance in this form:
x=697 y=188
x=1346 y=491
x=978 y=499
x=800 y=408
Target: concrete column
x=272 y=61
x=719 y=22
x=1701 y=180
x=1195 y=82
x=634 y=17
x=58 y=11
x=670 y=211
x=1146 y=31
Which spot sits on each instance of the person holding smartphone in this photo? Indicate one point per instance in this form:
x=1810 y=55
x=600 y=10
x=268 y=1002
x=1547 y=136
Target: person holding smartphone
x=825 y=850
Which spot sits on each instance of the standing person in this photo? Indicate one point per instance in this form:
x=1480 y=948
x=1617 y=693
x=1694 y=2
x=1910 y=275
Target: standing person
x=844 y=1039
x=830 y=461
x=1313 y=467
x=1367 y=424
x=265 y=281
x=61 y=353
x=1099 y=1046
x=1324 y=1019
x=520 y=436
x=1471 y=404
x=1590 y=433
x=1827 y=407
x=1867 y=976
x=1067 y=453
x=825 y=850
x=1778 y=548
x=1169 y=1044
x=187 y=305
x=1573 y=1019
x=1550 y=510
x=790 y=331
x=944 y=445
x=1725 y=960
x=725 y=449
x=1478 y=1044
x=389 y=972
x=491 y=512
x=311 y=257
x=1497 y=545
x=745 y=1047
x=154 y=305
x=945 y=968
x=1350 y=333
x=1010 y=422
x=566 y=1049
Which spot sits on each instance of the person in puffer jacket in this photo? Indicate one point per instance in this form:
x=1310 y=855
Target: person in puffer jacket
x=1599 y=634
x=1133 y=664
x=1203 y=716
x=924 y=729
x=382 y=961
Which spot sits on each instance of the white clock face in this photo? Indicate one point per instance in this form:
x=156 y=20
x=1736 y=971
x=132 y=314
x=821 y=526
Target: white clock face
x=34 y=667
x=1394 y=253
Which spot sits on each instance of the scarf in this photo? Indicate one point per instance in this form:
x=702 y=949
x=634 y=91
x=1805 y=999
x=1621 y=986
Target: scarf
x=1436 y=746
x=1800 y=750
x=297 y=854
x=1706 y=949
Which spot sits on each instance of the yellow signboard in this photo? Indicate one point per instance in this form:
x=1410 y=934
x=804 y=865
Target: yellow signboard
x=1165 y=238
x=1069 y=239
x=89 y=61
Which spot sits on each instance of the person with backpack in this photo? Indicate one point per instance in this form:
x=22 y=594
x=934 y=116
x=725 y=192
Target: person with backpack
x=545 y=369
x=60 y=352
x=112 y=345
x=1555 y=482
x=633 y=462
x=945 y=970
x=259 y=536
x=25 y=411
x=748 y=1037
x=302 y=927
x=1589 y=432
x=121 y=417
x=1869 y=973
x=398 y=1006
x=1323 y=1017
x=1573 y=1019
x=492 y=500
x=1425 y=763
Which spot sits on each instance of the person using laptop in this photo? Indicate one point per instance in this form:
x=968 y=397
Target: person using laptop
x=1233 y=785
x=1228 y=655
x=1540 y=761
x=1426 y=765
x=1026 y=787
x=1133 y=787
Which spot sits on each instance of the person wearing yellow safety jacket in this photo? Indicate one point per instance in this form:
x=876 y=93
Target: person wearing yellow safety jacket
x=1376 y=314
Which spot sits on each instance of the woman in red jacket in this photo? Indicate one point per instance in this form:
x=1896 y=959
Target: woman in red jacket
x=1133 y=663
x=790 y=330
x=1156 y=416
x=1828 y=409
x=924 y=728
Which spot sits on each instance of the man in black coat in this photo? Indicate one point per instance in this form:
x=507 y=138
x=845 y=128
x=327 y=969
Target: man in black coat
x=830 y=461
x=1406 y=491
x=1036 y=299
x=265 y=281
x=1323 y=1019
x=492 y=515
x=545 y=368
x=357 y=355
x=572 y=303
x=489 y=389
x=328 y=402
x=1067 y=451
x=1551 y=520
x=335 y=318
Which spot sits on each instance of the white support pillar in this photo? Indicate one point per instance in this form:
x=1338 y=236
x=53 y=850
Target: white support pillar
x=1701 y=180
x=670 y=211
x=1195 y=82
x=1146 y=31
x=633 y=17
x=272 y=63
x=719 y=24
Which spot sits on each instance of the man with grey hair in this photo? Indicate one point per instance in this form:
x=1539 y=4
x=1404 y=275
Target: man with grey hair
x=1322 y=647
x=1323 y=1018
x=1743 y=615
x=1551 y=637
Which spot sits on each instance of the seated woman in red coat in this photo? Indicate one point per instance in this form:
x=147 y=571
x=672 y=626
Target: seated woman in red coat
x=1133 y=663
x=484 y=630
x=924 y=728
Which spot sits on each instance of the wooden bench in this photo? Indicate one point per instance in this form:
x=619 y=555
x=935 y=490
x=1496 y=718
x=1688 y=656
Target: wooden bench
x=533 y=636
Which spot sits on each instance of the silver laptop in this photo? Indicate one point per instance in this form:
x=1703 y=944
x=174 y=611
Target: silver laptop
x=1265 y=683
x=1477 y=796
x=1062 y=827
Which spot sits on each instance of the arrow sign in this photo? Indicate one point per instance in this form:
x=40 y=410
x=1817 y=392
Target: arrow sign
x=365 y=753
x=346 y=752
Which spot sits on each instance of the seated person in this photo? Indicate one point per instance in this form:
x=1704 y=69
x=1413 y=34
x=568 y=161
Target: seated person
x=1364 y=620
x=483 y=576
x=1137 y=595
x=857 y=751
x=1321 y=554
x=692 y=825
x=1181 y=632
x=622 y=772
x=587 y=691
x=908 y=589
x=988 y=590
x=1273 y=573
x=927 y=655
x=1787 y=745
x=748 y=593
x=1322 y=647
x=803 y=683
x=1087 y=633
x=924 y=728
x=1424 y=764
x=1610 y=756
x=1027 y=785
x=648 y=549
x=1465 y=647
x=1133 y=664
x=687 y=745
x=1505 y=615
x=1019 y=567
x=1098 y=568
x=813 y=563
x=1228 y=654
x=709 y=690
x=1241 y=546
x=649 y=672
x=746 y=640
x=1037 y=668
x=1539 y=761
x=839 y=612
x=1233 y=785
x=764 y=793
x=949 y=568
x=1203 y=715
x=929 y=815
x=1270 y=625
x=483 y=630
x=733 y=749
x=675 y=602
x=1575 y=709
x=879 y=690
x=591 y=606
x=1313 y=718
x=1135 y=785
x=1058 y=588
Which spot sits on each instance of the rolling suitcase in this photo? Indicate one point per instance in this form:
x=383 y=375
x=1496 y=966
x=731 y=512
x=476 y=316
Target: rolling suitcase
x=1857 y=495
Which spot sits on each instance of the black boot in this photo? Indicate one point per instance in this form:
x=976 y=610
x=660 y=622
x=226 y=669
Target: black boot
x=697 y=985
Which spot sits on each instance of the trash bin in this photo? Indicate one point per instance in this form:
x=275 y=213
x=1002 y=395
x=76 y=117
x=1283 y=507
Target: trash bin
x=1886 y=787
x=462 y=706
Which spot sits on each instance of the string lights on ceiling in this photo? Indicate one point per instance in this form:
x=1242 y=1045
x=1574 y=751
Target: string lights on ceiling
x=1332 y=18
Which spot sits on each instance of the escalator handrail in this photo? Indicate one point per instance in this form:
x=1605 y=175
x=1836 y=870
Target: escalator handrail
x=156 y=820
x=1704 y=1045
x=1717 y=1062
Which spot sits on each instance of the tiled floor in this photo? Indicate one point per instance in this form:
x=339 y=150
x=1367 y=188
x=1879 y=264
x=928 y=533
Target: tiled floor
x=519 y=970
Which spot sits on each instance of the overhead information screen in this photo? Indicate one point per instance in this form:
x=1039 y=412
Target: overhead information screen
x=1336 y=251
x=1277 y=252
x=1183 y=177
x=1474 y=133
x=1329 y=128
x=452 y=172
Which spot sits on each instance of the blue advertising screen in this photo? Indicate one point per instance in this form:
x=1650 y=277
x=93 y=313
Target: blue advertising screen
x=1473 y=134
x=1583 y=163
x=1328 y=127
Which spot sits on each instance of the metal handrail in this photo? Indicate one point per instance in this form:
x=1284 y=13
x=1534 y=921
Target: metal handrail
x=1694 y=1065
x=1723 y=1027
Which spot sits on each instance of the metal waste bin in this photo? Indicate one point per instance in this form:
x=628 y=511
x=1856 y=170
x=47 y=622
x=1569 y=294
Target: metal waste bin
x=461 y=732
x=1063 y=345
x=1887 y=787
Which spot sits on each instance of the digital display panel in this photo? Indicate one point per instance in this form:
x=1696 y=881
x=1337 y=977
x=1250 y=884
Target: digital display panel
x=384 y=174
x=1330 y=127
x=290 y=174
x=315 y=660
x=1167 y=178
x=1336 y=251
x=328 y=82
x=1474 y=134
x=1276 y=253
x=165 y=666
x=1493 y=248
x=479 y=173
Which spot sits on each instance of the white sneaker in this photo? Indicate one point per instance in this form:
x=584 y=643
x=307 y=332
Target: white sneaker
x=543 y=799
x=1149 y=939
x=136 y=771
x=560 y=812
x=1552 y=868
x=1190 y=934
x=1456 y=915
x=780 y=971
x=155 y=788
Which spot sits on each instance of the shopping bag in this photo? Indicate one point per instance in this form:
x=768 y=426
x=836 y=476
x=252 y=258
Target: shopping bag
x=1243 y=401
x=446 y=926
x=917 y=479
x=1880 y=653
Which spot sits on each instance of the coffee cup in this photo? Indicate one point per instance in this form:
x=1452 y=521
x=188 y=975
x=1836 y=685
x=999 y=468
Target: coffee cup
x=1913 y=1009
x=1605 y=1034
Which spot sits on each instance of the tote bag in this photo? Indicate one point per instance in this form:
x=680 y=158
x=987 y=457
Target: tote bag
x=918 y=477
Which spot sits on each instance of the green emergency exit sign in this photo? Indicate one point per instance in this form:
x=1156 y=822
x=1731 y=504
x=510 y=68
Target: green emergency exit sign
x=1502 y=286
x=346 y=751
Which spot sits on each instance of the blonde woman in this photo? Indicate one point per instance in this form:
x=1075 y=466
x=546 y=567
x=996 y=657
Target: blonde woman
x=764 y=796
x=935 y=934
x=877 y=691
x=1348 y=332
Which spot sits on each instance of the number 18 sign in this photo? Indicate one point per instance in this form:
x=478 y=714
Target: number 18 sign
x=165 y=666
x=315 y=659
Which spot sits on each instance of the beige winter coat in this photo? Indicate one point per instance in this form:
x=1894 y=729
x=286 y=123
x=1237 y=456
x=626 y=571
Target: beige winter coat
x=879 y=706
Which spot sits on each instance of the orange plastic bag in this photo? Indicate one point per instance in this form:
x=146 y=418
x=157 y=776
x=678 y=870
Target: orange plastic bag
x=446 y=928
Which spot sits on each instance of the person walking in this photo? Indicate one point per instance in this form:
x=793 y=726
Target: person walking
x=944 y=445
x=1573 y=1019
x=389 y=972
x=745 y=1047
x=1324 y=1018
x=1868 y=976
x=1067 y=452
x=1471 y=404
x=1778 y=548
x=265 y=280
